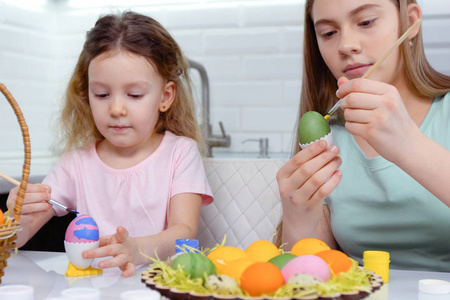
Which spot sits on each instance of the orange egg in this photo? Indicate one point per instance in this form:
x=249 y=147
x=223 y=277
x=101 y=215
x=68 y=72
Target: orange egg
x=338 y=261
x=223 y=255
x=2 y=217
x=262 y=250
x=261 y=278
x=236 y=267
x=309 y=246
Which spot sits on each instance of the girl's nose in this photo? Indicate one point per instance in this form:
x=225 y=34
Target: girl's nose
x=118 y=108
x=349 y=44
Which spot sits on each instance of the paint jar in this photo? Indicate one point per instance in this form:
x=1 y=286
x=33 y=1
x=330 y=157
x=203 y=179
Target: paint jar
x=377 y=262
x=16 y=292
x=81 y=293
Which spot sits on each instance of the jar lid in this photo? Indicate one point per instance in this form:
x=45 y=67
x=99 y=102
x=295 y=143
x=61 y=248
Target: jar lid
x=434 y=286
x=376 y=255
x=17 y=291
x=140 y=295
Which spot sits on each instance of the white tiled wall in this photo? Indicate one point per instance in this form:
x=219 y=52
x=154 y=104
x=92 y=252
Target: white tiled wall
x=251 y=50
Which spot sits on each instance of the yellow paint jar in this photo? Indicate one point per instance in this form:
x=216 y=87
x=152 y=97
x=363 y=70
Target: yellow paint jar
x=378 y=262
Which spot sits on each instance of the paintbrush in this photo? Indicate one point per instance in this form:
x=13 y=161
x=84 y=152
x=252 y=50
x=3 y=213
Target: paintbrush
x=378 y=63
x=54 y=202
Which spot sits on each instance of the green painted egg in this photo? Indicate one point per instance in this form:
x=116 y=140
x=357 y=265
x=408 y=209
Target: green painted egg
x=195 y=264
x=312 y=127
x=282 y=259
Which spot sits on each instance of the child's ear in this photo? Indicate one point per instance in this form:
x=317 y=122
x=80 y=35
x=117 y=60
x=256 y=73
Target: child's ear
x=170 y=90
x=414 y=14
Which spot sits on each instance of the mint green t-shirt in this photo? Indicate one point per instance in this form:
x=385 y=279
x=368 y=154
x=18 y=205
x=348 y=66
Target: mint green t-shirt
x=377 y=206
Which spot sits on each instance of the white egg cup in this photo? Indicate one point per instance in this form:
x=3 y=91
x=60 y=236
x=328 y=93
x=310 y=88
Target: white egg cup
x=328 y=138
x=74 y=252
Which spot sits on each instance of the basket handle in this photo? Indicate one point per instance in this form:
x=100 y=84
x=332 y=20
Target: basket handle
x=26 y=141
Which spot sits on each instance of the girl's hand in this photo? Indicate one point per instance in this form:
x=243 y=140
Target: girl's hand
x=36 y=211
x=304 y=183
x=119 y=245
x=375 y=112
x=35 y=201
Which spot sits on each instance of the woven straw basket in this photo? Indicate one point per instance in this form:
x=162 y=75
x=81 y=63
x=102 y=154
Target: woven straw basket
x=12 y=225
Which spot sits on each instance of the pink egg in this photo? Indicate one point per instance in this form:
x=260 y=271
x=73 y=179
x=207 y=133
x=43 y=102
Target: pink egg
x=307 y=264
x=82 y=229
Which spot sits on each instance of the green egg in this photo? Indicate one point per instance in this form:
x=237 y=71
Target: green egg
x=282 y=259
x=195 y=264
x=312 y=127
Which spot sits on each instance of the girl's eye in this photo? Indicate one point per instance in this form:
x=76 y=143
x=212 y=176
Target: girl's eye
x=101 y=95
x=328 y=34
x=135 y=96
x=367 y=23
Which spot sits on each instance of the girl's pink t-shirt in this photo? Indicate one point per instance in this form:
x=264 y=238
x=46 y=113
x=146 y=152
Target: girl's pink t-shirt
x=136 y=198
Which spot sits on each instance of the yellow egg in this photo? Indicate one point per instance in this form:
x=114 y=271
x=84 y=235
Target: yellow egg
x=262 y=251
x=235 y=267
x=223 y=255
x=309 y=246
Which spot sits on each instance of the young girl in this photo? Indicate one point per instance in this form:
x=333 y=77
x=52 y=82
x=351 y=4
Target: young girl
x=392 y=190
x=136 y=168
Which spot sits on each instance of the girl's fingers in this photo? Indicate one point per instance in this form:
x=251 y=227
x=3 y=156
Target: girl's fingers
x=104 y=240
x=121 y=235
x=34 y=188
x=116 y=261
x=34 y=193
x=310 y=168
x=36 y=207
x=357 y=115
x=360 y=85
x=360 y=101
x=41 y=187
x=341 y=81
x=103 y=251
x=319 y=178
x=325 y=190
x=119 y=261
x=300 y=158
x=35 y=199
x=128 y=269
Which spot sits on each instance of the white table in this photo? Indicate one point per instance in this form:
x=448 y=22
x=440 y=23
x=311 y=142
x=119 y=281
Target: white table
x=45 y=272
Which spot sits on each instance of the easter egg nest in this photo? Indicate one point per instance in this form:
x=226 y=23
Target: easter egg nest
x=174 y=283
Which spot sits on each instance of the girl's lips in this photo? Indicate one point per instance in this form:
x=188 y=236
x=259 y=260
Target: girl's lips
x=356 y=70
x=119 y=128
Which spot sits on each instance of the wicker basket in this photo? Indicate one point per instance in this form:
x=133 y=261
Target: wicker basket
x=12 y=224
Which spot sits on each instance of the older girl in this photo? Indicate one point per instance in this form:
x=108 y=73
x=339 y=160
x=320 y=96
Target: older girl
x=385 y=184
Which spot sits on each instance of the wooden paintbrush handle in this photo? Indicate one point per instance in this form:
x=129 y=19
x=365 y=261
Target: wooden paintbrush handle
x=393 y=47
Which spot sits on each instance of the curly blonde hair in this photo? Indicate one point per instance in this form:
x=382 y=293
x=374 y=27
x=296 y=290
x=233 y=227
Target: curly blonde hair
x=143 y=36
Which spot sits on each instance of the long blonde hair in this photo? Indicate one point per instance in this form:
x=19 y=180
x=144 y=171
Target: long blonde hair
x=143 y=36
x=318 y=92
